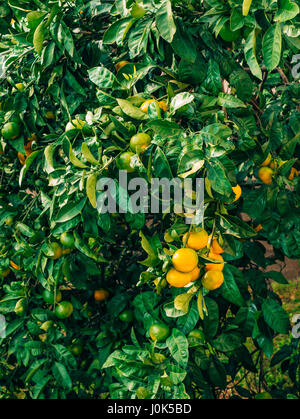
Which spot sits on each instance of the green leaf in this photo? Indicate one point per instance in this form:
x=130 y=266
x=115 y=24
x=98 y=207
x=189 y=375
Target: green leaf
x=229 y=288
x=152 y=258
x=250 y=55
x=164 y=128
x=161 y=166
x=275 y=316
x=218 y=178
x=178 y=347
x=34 y=19
x=70 y=210
x=287 y=11
x=38 y=37
x=235 y=226
x=243 y=84
x=131 y=110
x=165 y=22
x=211 y=320
x=88 y=154
x=115 y=31
x=182 y=302
x=30 y=159
x=272 y=47
x=227 y=342
x=255 y=202
x=180 y=100
x=183 y=44
x=277 y=277
x=61 y=375
x=138 y=38
x=91 y=189
x=102 y=77
x=229 y=101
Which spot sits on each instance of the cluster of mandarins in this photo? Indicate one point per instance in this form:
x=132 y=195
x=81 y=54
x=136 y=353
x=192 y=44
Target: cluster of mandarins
x=185 y=261
x=268 y=168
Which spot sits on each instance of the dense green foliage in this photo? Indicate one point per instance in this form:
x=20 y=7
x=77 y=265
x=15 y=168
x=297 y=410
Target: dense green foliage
x=223 y=108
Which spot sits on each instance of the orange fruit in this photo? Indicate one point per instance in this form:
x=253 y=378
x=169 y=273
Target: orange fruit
x=294 y=172
x=11 y=130
x=20 y=87
x=258 y=228
x=124 y=160
x=146 y=104
x=215 y=266
x=215 y=247
x=185 y=260
x=267 y=161
x=101 y=295
x=195 y=273
x=57 y=251
x=121 y=64
x=212 y=280
x=237 y=191
x=64 y=310
x=178 y=279
x=265 y=175
x=163 y=105
x=196 y=240
x=140 y=142
x=21 y=158
x=14 y=265
x=273 y=164
x=159 y=332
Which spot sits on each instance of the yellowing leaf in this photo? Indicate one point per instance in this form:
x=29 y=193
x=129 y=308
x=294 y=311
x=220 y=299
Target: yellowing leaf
x=200 y=305
x=75 y=160
x=88 y=155
x=246 y=7
x=91 y=189
x=182 y=302
x=38 y=38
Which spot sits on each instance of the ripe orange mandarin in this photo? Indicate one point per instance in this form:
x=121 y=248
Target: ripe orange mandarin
x=185 y=260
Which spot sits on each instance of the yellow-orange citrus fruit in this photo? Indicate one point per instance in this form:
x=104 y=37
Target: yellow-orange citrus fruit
x=101 y=295
x=121 y=64
x=20 y=87
x=57 y=251
x=273 y=164
x=21 y=158
x=212 y=280
x=265 y=175
x=178 y=279
x=185 y=260
x=196 y=240
x=14 y=265
x=294 y=172
x=258 y=228
x=146 y=104
x=195 y=273
x=237 y=191
x=215 y=266
x=163 y=105
x=215 y=247
x=267 y=161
